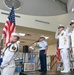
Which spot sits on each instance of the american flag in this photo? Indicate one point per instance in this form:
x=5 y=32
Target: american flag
x=58 y=57
x=9 y=27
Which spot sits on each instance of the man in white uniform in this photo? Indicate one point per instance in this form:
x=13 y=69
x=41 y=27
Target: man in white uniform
x=8 y=64
x=64 y=45
x=72 y=37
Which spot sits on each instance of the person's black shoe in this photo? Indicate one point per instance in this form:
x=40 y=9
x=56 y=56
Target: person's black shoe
x=44 y=71
x=40 y=70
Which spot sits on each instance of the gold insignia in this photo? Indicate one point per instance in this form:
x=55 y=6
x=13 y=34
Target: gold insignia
x=65 y=40
x=14 y=48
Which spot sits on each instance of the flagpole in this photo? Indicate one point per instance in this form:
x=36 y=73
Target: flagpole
x=12 y=2
x=1 y=43
x=14 y=11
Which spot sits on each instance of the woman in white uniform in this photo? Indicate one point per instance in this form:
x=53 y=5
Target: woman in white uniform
x=8 y=63
x=42 y=53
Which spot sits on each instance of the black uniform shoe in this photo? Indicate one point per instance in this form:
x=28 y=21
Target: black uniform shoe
x=44 y=71
x=40 y=70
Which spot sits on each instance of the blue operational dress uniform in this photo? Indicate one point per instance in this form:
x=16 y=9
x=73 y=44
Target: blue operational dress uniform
x=64 y=45
x=8 y=64
x=42 y=55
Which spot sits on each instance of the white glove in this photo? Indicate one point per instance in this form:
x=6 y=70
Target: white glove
x=68 y=28
x=1 y=67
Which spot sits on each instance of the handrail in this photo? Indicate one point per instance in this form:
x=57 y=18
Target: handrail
x=53 y=63
x=52 y=60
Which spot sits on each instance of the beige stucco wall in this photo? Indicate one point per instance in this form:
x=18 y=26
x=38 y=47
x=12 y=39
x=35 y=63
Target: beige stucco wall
x=51 y=49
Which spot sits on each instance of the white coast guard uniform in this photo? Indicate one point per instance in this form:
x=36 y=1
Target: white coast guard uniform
x=64 y=44
x=72 y=41
x=8 y=64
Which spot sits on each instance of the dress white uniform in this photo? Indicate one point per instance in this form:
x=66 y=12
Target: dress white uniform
x=72 y=40
x=8 y=64
x=64 y=45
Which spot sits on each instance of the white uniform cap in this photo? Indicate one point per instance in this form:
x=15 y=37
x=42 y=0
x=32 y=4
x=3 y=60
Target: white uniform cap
x=42 y=36
x=15 y=34
x=61 y=25
x=72 y=20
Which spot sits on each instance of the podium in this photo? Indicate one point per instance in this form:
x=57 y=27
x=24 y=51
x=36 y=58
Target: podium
x=29 y=60
x=28 y=65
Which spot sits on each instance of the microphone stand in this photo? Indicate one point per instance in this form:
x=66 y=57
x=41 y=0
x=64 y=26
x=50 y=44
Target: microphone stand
x=34 y=42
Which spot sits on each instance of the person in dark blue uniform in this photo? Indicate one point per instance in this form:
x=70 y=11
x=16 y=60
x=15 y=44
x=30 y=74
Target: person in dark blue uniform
x=42 y=53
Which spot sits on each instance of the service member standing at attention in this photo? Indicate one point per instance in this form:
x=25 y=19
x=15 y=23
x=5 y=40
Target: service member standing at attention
x=42 y=54
x=72 y=37
x=64 y=45
x=8 y=64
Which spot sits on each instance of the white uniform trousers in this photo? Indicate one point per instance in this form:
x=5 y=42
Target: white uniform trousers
x=9 y=70
x=73 y=53
x=65 y=59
